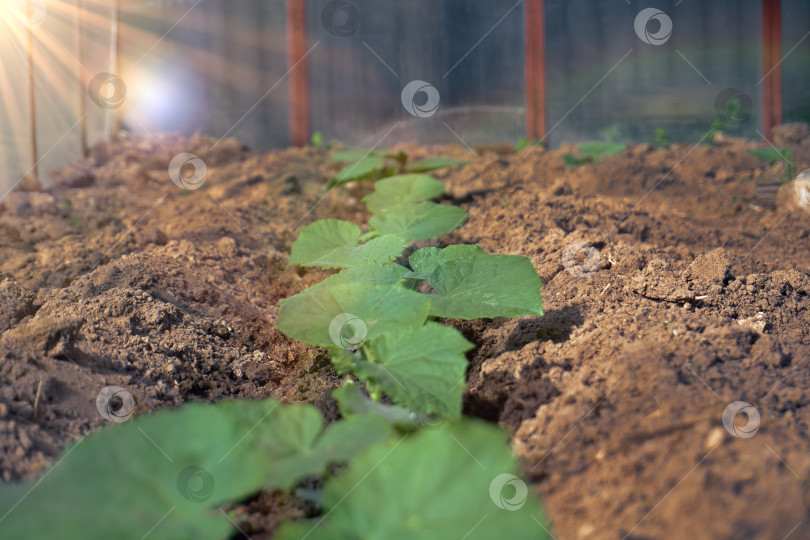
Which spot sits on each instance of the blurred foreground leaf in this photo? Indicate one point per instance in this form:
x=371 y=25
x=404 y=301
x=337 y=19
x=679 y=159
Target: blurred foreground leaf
x=457 y=481
x=163 y=475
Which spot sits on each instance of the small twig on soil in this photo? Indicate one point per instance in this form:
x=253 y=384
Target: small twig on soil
x=702 y=297
x=606 y=288
x=36 y=398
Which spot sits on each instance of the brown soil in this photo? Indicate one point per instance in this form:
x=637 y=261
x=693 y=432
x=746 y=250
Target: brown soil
x=613 y=399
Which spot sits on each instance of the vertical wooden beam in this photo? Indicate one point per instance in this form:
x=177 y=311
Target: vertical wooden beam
x=116 y=61
x=32 y=98
x=771 y=69
x=80 y=75
x=535 y=70
x=299 y=91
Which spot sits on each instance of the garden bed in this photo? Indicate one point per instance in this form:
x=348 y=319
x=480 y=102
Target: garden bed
x=697 y=297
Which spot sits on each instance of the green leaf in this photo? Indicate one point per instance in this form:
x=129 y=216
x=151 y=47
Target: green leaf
x=352 y=401
x=362 y=170
x=597 y=150
x=375 y=274
x=472 y=284
x=426 y=260
x=418 y=221
x=351 y=154
x=457 y=481
x=570 y=160
x=317 y=139
x=406 y=188
x=431 y=164
x=332 y=243
x=310 y=315
x=771 y=155
x=163 y=475
x=419 y=368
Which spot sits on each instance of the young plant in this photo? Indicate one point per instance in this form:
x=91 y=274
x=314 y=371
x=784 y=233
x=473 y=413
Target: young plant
x=377 y=164
x=661 y=139
x=523 y=143
x=772 y=155
x=390 y=344
x=592 y=152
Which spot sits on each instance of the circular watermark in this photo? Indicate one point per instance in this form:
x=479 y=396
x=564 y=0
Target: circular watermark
x=425 y=420
x=348 y=331
x=115 y=404
x=340 y=18
x=107 y=90
x=733 y=106
x=801 y=185
x=195 y=484
x=648 y=18
x=584 y=266
x=426 y=109
x=752 y=419
x=29 y=13
x=518 y=498
x=184 y=163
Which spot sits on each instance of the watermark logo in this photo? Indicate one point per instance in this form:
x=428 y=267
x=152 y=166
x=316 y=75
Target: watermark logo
x=733 y=106
x=426 y=420
x=751 y=425
x=29 y=13
x=348 y=331
x=115 y=404
x=650 y=17
x=340 y=18
x=517 y=500
x=431 y=103
x=582 y=267
x=187 y=171
x=107 y=90
x=802 y=187
x=195 y=484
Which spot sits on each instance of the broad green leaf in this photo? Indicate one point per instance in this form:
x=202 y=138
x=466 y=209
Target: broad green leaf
x=418 y=221
x=472 y=284
x=354 y=155
x=361 y=170
x=163 y=475
x=321 y=316
x=419 y=368
x=457 y=481
x=431 y=164
x=332 y=243
x=375 y=274
x=425 y=260
x=406 y=188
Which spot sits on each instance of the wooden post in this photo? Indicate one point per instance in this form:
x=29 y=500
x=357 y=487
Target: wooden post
x=771 y=70
x=32 y=97
x=299 y=91
x=116 y=60
x=535 y=70
x=80 y=74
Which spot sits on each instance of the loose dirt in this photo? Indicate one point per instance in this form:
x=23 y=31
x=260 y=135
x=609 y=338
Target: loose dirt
x=676 y=282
